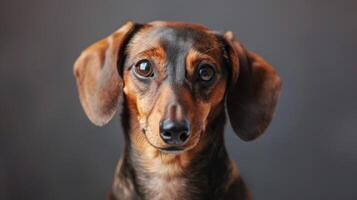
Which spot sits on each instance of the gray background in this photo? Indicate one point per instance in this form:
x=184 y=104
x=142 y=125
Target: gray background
x=50 y=150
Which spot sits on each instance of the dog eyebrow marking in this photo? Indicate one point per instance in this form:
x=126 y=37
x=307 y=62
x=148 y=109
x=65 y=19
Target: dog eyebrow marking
x=202 y=54
x=153 y=52
x=195 y=56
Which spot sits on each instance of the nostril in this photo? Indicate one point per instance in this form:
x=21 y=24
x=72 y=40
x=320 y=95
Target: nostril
x=183 y=136
x=166 y=135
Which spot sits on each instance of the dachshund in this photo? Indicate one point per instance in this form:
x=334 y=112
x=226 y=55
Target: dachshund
x=173 y=83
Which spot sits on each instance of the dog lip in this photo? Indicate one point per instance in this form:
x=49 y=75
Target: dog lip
x=172 y=150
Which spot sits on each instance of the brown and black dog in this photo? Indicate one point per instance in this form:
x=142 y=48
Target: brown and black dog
x=175 y=81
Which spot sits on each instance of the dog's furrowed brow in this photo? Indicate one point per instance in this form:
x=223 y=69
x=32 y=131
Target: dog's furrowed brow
x=202 y=53
x=153 y=52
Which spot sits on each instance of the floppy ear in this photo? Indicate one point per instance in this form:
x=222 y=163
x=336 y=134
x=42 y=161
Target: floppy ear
x=254 y=90
x=97 y=75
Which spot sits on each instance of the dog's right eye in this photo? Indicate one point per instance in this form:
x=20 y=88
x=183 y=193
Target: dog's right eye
x=143 y=68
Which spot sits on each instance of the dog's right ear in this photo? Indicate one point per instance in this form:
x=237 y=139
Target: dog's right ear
x=98 y=80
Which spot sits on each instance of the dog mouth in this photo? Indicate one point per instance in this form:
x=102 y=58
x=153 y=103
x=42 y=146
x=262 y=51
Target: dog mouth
x=176 y=150
x=172 y=150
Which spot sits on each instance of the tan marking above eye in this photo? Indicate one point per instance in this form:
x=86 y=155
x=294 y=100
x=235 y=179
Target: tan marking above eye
x=140 y=48
x=154 y=52
x=194 y=58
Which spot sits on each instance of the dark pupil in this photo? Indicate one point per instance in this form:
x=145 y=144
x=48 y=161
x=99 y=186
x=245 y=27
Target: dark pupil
x=206 y=73
x=144 y=68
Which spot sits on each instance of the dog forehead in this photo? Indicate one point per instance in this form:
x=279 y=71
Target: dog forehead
x=172 y=37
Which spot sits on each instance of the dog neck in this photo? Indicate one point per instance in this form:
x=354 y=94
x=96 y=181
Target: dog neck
x=200 y=173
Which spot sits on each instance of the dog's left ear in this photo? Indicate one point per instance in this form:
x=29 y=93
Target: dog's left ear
x=97 y=74
x=254 y=90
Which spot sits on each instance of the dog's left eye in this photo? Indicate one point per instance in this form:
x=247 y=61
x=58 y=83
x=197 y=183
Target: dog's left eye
x=144 y=68
x=206 y=72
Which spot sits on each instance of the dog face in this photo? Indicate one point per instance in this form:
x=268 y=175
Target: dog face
x=175 y=78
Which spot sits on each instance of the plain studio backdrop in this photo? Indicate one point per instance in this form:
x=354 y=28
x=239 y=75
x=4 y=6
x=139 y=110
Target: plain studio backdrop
x=50 y=150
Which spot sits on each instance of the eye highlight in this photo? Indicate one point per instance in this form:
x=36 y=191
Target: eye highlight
x=206 y=72
x=143 y=68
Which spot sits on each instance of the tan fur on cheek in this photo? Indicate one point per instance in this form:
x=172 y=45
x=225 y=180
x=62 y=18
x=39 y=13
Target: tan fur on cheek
x=216 y=97
x=141 y=107
x=218 y=92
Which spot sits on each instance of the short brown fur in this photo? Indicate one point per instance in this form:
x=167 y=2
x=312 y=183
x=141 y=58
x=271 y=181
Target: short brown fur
x=198 y=168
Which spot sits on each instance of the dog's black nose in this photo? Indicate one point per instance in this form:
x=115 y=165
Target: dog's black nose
x=174 y=132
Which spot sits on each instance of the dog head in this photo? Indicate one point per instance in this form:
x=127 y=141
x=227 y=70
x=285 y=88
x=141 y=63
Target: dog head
x=176 y=78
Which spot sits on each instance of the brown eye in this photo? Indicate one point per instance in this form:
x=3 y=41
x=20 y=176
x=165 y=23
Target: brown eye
x=143 y=68
x=206 y=72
